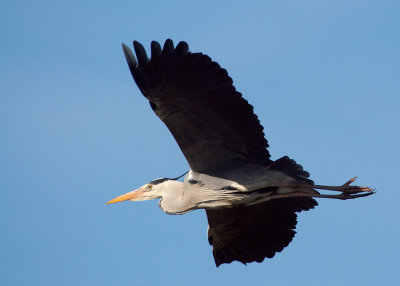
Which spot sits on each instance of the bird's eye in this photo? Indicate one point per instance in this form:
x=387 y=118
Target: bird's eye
x=150 y=186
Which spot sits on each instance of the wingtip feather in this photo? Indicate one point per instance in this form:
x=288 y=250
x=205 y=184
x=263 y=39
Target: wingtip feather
x=140 y=53
x=168 y=47
x=182 y=48
x=155 y=49
x=130 y=57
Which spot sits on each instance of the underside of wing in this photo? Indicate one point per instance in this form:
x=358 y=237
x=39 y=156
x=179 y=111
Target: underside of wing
x=253 y=233
x=213 y=125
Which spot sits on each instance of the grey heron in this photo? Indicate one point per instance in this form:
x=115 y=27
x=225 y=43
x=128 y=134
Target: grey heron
x=250 y=200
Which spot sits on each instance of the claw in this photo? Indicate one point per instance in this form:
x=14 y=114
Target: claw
x=347 y=196
x=352 y=180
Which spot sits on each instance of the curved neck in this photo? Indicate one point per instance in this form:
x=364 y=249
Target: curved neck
x=173 y=198
x=178 y=197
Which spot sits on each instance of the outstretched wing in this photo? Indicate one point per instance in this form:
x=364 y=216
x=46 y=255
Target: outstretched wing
x=213 y=125
x=253 y=233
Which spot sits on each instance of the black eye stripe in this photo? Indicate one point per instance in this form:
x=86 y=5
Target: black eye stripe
x=158 y=181
x=161 y=180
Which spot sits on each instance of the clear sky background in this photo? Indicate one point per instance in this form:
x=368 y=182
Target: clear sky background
x=75 y=131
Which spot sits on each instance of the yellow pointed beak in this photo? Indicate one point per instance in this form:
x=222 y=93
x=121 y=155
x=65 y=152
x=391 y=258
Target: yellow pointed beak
x=128 y=196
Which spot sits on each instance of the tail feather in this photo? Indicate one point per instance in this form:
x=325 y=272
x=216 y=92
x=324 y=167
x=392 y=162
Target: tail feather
x=292 y=169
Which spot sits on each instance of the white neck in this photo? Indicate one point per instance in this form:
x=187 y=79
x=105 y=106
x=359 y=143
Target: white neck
x=173 y=199
x=179 y=198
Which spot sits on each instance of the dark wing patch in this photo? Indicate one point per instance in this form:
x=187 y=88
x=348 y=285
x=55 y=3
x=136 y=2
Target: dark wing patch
x=211 y=122
x=253 y=233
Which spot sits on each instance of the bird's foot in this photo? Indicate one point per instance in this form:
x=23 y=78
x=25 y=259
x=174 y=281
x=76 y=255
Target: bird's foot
x=349 y=191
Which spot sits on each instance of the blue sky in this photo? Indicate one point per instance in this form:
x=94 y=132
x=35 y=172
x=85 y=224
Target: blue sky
x=323 y=77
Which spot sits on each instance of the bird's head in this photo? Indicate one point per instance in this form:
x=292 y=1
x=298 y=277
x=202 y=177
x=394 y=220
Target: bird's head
x=149 y=191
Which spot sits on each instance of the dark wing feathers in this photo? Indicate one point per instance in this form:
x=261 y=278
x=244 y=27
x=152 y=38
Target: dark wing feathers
x=213 y=125
x=252 y=233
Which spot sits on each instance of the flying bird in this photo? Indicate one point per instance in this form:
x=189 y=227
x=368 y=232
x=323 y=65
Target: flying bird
x=250 y=200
